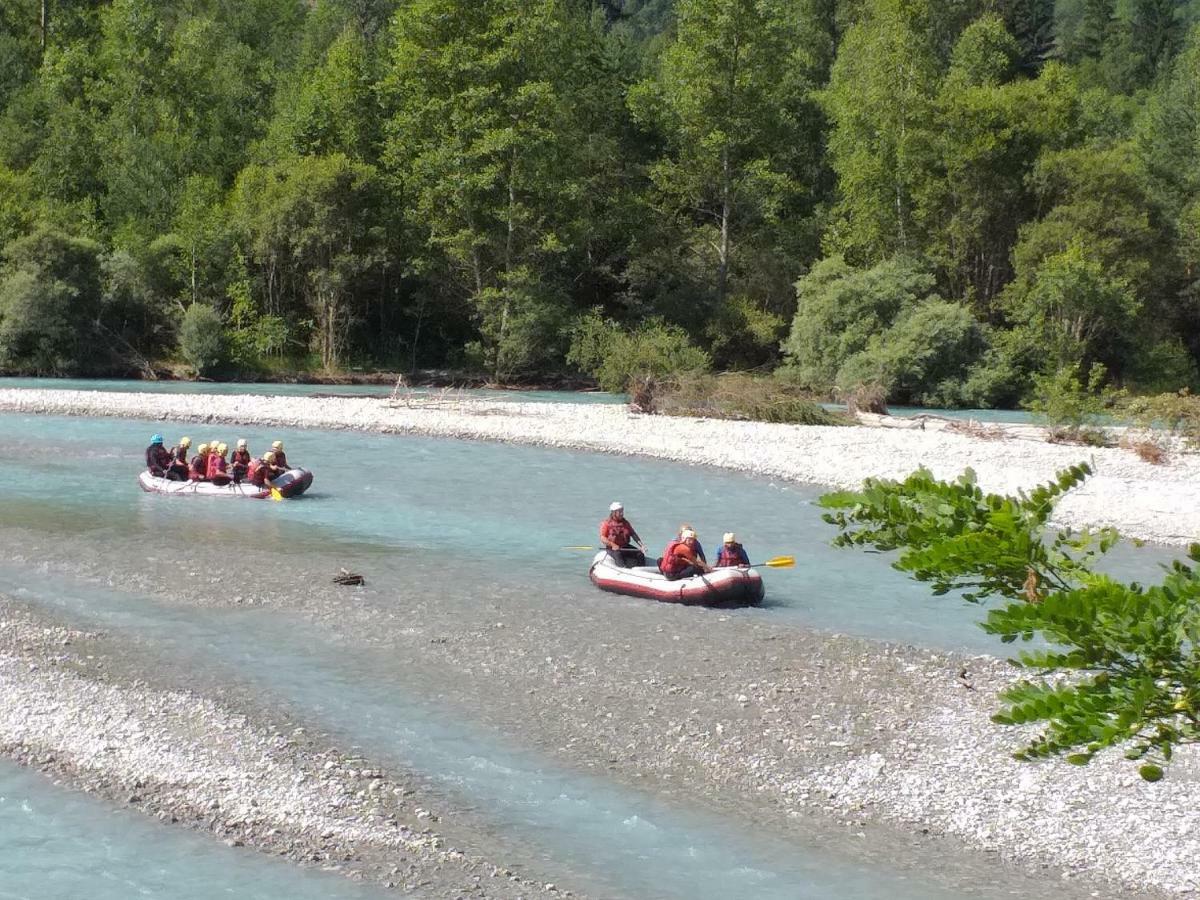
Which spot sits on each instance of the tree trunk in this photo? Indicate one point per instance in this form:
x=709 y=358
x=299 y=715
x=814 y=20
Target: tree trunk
x=45 y=27
x=723 y=262
x=508 y=254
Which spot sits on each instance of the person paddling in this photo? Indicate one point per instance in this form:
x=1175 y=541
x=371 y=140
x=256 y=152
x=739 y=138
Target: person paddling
x=680 y=559
x=158 y=460
x=280 y=456
x=698 y=546
x=198 y=470
x=257 y=472
x=239 y=462
x=271 y=467
x=618 y=535
x=178 y=470
x=218 y=469
x=732 y=553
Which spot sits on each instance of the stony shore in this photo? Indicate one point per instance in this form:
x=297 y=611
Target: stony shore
x=800 y=733
x=78 y=710
x=1152 y=502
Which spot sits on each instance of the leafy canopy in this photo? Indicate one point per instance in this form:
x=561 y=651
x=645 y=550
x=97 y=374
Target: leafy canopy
x=1119 y=663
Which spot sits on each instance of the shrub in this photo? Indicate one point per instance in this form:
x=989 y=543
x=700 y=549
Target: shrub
x=840 y=308
x=615 y=356
x=741 y=396
x=922 y=358
x=50 y=304
x=202 y=338
x=1072 y=409
x=1178 y=413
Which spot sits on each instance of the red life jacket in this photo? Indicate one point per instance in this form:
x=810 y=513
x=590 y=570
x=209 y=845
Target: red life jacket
x=216 y=466
x=620 y=533
x=240 y=457
x=281 y=460
x=731 y=555
x=672 y=562
x=256 y=474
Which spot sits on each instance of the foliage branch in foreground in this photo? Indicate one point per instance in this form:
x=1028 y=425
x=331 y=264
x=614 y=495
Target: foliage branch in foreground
x=1120 y=664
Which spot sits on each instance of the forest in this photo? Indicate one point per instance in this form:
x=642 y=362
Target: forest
x=945 y=199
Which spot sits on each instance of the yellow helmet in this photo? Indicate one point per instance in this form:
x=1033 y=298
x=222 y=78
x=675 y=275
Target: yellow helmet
x=185 y=442
x=222 y=449
x=277 y=445
x=269 y=456
x=202 y=449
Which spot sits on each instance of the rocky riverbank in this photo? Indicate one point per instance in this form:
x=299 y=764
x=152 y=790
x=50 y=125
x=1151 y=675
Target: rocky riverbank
x=77 y=709
x=808 y=736
x=1152 y=502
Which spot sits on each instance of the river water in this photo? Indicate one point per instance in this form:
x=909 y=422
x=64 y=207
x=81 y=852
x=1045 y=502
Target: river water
x=451 y=524
x=56 y=844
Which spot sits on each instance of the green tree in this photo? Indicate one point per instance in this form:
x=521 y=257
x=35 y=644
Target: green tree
x=490 y=142
x=50 y=304
x=202 y=338
x=733 y=96
x=617 y=356
x=1133 y=678
x=880 y=102
x=840 y=308
x=314 y=233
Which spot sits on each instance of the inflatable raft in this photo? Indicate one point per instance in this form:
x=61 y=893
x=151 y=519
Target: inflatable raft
x=291 y=483
x=721 y=588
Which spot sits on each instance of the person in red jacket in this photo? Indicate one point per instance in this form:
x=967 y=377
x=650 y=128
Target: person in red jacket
x=270 y=464
x=280 y=456
x=257 y=472
x=198 y=470
x=218 y=469
x=680 y=559
x=732 y=553
x=239 y=462
x=617 y=534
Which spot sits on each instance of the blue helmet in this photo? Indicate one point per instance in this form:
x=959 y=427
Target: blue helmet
x=156 y=439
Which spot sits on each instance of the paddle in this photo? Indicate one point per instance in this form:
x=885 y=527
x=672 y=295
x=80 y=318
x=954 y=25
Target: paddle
x=776 y=562
x=275 y=495
x=622 y=550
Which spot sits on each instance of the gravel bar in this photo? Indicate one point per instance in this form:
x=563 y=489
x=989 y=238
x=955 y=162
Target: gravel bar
x=1158 y=503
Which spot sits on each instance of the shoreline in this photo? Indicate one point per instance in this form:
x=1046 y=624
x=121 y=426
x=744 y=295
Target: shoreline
x=1159 y=503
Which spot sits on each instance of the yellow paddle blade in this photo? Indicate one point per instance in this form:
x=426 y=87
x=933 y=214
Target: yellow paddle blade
x=275 y=495
x=780 y=562
x=588 y=547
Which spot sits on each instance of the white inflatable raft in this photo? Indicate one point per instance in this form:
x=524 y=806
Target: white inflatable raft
x=291 y=483
x=720 y=588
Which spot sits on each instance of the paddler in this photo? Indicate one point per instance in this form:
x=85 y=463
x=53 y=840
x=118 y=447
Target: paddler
x=218 y=470
x=179 y=461
x=198 y=470
x=259 y=471
x=732 y=553
x=270 y=465
x=239 y=462
x=699 y=547
x=280 y=456
x=618 y=535
x=680 y=559
x=158 y=460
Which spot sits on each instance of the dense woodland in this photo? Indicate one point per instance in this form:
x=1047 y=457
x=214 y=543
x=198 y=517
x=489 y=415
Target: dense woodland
x=945 y=198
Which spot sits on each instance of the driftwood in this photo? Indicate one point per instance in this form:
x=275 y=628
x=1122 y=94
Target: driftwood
x=348 y=578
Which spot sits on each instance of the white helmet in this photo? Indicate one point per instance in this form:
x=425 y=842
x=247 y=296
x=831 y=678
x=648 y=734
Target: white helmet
x=615 y=505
